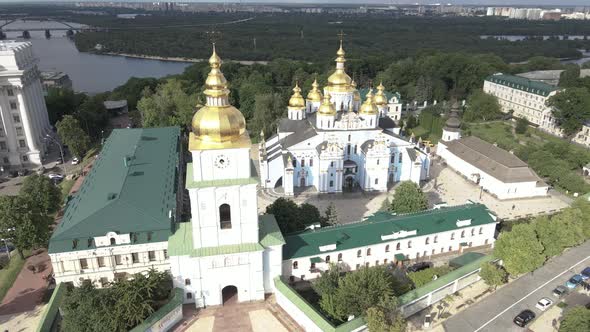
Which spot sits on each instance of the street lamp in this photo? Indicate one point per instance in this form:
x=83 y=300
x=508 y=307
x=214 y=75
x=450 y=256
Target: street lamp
x=61 y=151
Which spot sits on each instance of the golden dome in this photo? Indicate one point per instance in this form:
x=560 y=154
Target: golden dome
x=356 y=94
x=369 y=107
x=380 y=97
x=296 y=100
x=315 y=94
x=327 y=108
x=218 y=124
x=339 y=81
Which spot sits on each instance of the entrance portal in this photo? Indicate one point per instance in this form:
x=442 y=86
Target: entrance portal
x=349 y=182
x=229 y=295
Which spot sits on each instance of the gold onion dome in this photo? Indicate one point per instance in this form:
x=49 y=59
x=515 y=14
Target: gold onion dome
x=380 y=98
x=315 y=94
x=217 y=121
x=296 y=100
x=340 y=80
x=327 y=108
x=369 y=107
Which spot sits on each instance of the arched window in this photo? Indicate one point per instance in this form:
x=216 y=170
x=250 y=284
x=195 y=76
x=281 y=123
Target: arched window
x=294 y=162
x=295 y=265
x=358 y=253
x=435 y=238
x=113 y=241
x=328 y=259
x=349 y=138
x=225 y=216
x=302 y=162
x=387 y=248
x=377 y=161
x=340 y=257
x=462 y=233
x=410 y=244
x=481 y=230
x=369 y=252
x=427 y=240
x=187 y=282
x=398 y=246
x=472 y=231
x=355 y=148
x=453 y=236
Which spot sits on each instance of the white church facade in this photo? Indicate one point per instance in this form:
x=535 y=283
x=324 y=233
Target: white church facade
x=334 y=141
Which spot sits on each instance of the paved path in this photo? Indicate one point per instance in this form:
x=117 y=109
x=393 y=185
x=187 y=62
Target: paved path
x=495 y=313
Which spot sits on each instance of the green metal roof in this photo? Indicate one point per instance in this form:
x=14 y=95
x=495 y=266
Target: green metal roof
x=443 y=280
x=465 y=259
x=191 y=183
x=315 y=259
x=270 y=234
x=400 y=257
x=522 y=83
x=181 y=242
x=369 y=231
x=131 y=188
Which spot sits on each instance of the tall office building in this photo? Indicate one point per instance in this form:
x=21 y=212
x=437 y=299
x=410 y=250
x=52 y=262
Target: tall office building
x=23 y=115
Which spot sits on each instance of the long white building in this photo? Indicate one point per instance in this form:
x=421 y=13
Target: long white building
x=525 y=98
x=23 y=115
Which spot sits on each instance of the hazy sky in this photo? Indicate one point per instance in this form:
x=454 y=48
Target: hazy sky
x=530 y=3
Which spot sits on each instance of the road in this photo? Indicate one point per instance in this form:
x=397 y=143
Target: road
x=495 y=313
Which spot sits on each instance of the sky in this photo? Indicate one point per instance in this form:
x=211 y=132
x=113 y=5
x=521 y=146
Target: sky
x=531 y=3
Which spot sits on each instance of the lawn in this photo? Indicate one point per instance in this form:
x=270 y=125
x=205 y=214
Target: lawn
x=9 y=273
x=66 y=186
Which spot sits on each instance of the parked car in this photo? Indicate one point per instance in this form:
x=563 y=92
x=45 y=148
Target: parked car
x=59 y=161
x=75 y=161
x=585 y=273
x=13 y=174
x=54 y=176
x=3 y=248
x=419 y=266
x=23 y=172
x=544 y=303
x=559 y=291
x=574 y=281
x=524 y=317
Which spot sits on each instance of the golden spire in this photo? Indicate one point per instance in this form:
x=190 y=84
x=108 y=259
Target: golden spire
x=339 y=81
x=296 y=100
x=315 y=94
x=217 y=125
x=369 y=107
x=327 y=108
x=380 y=97
x=356 y=94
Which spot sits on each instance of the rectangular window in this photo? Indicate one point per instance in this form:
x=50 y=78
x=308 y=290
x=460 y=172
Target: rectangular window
x=2 y=132
x=104 y=281
x=311 y=163
x=10 y=92
x=101 y=262
x=118 y=260
x=302 y=162
x=151 y=256
x=83 y=264
x=22 y=144
x=400 y=158
x=13 y=105
x=135 y=257
x=165 y=254
x=15 y=118
x=331 y=182
x=3 y=146
x=376 y=181
x=19 y=131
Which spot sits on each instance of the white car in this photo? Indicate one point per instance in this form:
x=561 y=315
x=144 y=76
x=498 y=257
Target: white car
x=543 y=304
x=75 y=161
x=54 y=176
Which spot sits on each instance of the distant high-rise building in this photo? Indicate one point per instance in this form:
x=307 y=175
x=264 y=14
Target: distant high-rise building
x=23 y=115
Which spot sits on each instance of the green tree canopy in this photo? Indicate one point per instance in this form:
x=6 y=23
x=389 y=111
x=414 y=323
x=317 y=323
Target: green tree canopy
x=569 y=76
x=23 y=223
x=493 y=274
x=520 y=249
x=421 y=278
x=168 y=105
x=292 y=218
x=386 y=317
x=571 y=109
x=575 y=319
x=521 y=125
x=73 y=136
x=61 y=102
x=42 y=192
x=331 y=217
x=408 y=197
x=482 y=107
x=268 y=108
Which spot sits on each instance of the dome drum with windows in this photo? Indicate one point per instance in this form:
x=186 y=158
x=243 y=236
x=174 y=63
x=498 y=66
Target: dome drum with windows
x=217 y=125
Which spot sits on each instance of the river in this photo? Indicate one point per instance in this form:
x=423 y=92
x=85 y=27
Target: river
x=90 y=73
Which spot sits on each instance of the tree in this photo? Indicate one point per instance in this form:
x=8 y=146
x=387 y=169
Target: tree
x=292 y=218
x=586 y=65
x=408 y=197
x=61 y=102
x=482 y=107
x=168 y=105
x=386 y=317
x=423 y=89
x=493 y=274
x=359 y=291
x=73 y=136
x=23 y=223
x=93 y=116
x=571 y=109
x=42 y=192
x=268 y=108
x=584 y=206
x=520 y=249
x=572 y=232
x=569 y=77
x=576 y=319
x=411 y=122
x=421 y=278
x=310 y=214
x=331 y=217
x=521 y=125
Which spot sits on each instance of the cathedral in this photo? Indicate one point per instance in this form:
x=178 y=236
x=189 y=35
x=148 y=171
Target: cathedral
x=334 y=141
